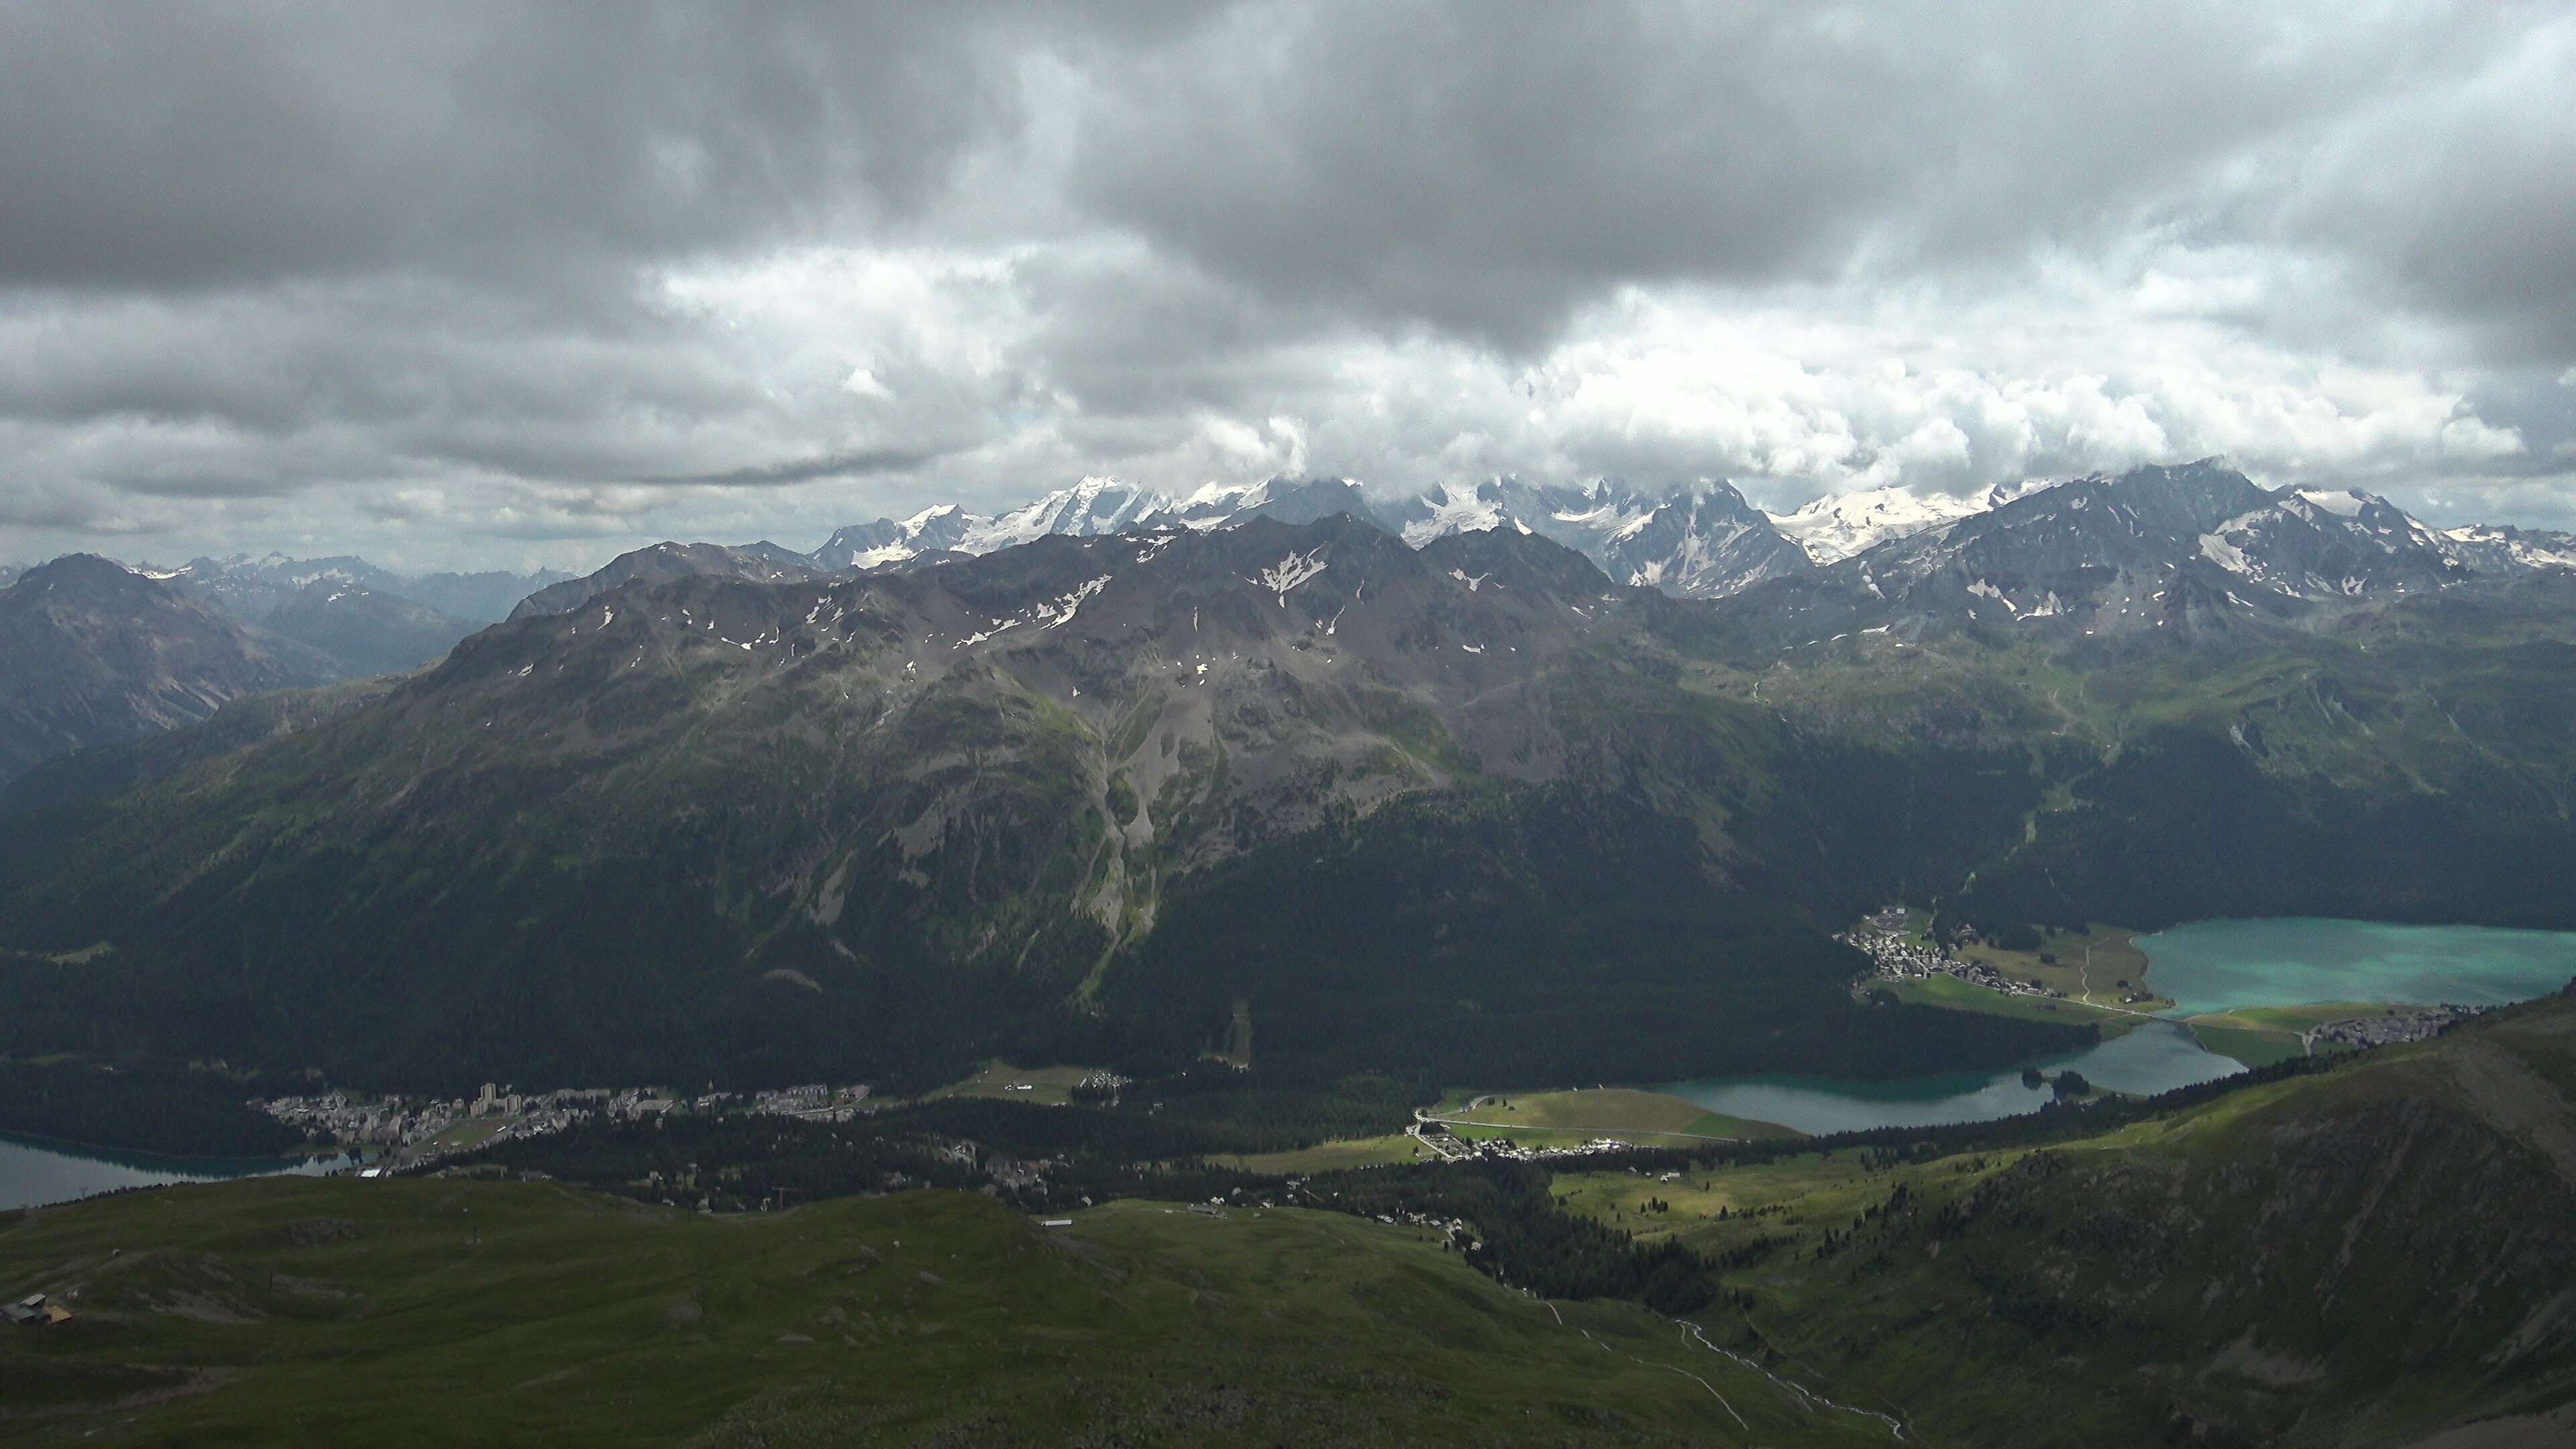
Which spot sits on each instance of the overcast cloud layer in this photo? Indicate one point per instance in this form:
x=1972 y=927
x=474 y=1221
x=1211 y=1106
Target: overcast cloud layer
x=476 y=287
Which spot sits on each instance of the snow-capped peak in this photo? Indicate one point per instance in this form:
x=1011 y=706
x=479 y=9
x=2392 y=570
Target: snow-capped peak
x=1453 y=508
x=1091 y=507
x=1833 y=529
x=2343 y=503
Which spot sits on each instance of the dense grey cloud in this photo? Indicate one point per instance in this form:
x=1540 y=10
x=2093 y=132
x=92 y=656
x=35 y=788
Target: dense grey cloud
x=219 y=145
x=506 y=284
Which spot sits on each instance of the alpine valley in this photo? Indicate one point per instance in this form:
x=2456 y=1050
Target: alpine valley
x=1266 y=832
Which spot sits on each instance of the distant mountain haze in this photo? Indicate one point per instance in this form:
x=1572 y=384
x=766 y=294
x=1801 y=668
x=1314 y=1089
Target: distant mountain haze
x=251 y=588
x=92 y=653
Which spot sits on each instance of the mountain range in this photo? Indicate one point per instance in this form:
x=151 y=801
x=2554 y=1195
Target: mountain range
x=1471 y=802
x=1704 y=540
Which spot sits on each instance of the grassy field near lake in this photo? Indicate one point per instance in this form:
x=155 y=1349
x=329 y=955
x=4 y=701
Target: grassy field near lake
x=1622 y=1113
x=1046 y=1086
x=2261 y=1035
x=1958 y=995
x=2099 y=966
x=1330 y=1156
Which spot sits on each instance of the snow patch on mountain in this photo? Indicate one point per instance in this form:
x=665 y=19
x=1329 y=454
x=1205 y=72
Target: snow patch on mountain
x=1282 y=577
x=2499 y=546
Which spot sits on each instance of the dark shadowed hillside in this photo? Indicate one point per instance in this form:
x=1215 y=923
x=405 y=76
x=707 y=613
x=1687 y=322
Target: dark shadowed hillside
x=92 y=653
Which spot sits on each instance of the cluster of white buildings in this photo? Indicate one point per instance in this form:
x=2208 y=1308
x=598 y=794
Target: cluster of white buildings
x=2386 y=1028
x=1436 y=1135
x=375 y=1122
x=817 y=1102
x=413 y=1126
x=1883 y=937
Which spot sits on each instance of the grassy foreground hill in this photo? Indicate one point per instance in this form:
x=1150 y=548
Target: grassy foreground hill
x=440 y=1312
x=2365 y=1255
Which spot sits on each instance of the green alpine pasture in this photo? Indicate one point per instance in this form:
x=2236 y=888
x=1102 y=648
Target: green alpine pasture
x=424 y=1311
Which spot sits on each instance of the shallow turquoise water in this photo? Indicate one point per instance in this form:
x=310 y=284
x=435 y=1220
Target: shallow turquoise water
x=35 y=1173
x=2225 y=965
x=2156 y=1057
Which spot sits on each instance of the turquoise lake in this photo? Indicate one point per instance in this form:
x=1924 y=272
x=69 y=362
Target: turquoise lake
x=2206 y=966
x=2212 y=966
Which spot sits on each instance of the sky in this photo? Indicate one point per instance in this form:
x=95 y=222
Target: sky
x=467 y=286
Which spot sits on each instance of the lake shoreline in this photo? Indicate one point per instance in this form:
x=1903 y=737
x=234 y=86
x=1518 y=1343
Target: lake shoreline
x=2287 y=966
x=50 y=1143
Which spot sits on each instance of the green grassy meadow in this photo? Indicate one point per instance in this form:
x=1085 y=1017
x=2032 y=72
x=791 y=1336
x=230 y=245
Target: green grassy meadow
x=423 y=1311
x=1958 y=995
x=1000 y=1081
x=2087 y=965
x=1623 y=1114
x=1330 y=1156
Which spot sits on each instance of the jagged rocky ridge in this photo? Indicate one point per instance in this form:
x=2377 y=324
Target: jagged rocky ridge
x=1704 y=540
x=2195 y=548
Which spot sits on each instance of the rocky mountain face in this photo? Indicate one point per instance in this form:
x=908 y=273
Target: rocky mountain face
x=2488 y=548
x=863 y=547
x=1703 y=541
x=1089 y=509
x=92 y=652
x=2197 y=549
